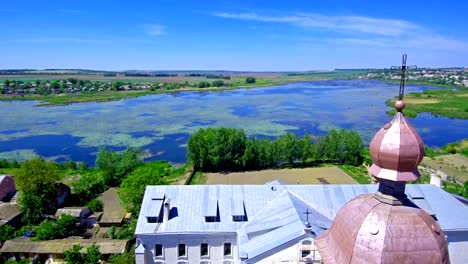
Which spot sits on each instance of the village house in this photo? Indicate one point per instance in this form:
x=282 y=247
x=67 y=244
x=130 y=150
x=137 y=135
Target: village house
x=7 y=187
x=52 y=250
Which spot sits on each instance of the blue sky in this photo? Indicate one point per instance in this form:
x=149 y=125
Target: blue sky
x=231 y=35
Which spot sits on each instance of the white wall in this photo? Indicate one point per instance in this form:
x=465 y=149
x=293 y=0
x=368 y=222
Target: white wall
x=291 y=254
x=170 y=244
x=458 y=245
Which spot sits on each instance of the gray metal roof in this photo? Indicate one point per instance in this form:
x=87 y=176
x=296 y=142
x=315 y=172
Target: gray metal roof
x=276 y=212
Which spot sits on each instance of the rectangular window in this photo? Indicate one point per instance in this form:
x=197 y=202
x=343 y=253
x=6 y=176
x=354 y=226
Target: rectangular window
x=227 y=249
x=152 y=219
x=158 y=250
x=210 y=219
x=305 y=253
x=239 y=218
x=204 y=249
x=181 y=251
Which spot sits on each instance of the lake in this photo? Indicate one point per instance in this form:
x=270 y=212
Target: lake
x=161 y=124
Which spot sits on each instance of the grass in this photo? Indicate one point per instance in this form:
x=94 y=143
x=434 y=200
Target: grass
x=359 y=173
x=442 y=102
x=198 y=179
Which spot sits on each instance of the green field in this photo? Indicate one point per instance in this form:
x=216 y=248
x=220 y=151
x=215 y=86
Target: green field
x=443 y=102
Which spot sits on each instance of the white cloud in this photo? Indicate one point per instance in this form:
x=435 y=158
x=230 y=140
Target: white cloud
x=361 y=30
x=378 y=26
x=155 y=29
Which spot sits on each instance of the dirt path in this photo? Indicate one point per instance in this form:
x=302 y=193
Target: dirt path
x=325 y=175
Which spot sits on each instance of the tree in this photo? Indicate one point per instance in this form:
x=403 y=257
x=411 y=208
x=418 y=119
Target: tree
x=203 y=84
x=308 y=150
x=6 y=232
x=126 y=258
x=116 y=166
x=89 y=186
x=55 y=85
x=250 y=80
x=64 y=227
x=95 y=205
x=35 y=179
x=217 y=149
x=218 y=83
x=32 y=208
x=93 y=255
x=133 y=187
x=74 y=255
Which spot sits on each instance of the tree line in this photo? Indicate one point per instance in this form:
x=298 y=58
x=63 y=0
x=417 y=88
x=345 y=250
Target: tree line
x=229 y=149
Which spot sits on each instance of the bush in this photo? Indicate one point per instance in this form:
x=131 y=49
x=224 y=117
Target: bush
x=89 y=186
x=250 y=80
x=203 y=84
x=218 y=83
x=95 y=205
x=64 y=227
x=115 y=166
x=126 y=258
x=133 y=187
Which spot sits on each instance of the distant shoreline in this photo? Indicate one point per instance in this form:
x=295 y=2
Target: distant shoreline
x=437 y=102
x=105 y=96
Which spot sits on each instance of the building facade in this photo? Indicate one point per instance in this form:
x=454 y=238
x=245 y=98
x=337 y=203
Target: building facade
x=271 y=223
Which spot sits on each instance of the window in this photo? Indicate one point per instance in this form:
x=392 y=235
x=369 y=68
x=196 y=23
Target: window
x=227 y=249
x=158 y=250
x=239 y=218
x=210 y=219
x=305 y=253
x=204 y=249
x=152 y=219
x=181 y=251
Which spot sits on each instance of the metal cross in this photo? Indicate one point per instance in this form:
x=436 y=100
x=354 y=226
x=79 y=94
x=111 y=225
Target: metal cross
x=307 y=213
x=403 y=69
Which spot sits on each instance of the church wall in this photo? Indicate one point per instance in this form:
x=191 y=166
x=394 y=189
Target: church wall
x=193 y=242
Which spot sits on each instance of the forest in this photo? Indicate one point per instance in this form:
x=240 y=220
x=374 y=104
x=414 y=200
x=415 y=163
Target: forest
x=229 y=149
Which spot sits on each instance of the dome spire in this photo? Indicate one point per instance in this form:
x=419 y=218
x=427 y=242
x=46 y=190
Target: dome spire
x=396 y=150
x=386 y=227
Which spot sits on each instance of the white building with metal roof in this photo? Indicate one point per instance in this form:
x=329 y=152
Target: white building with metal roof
x=271 y=223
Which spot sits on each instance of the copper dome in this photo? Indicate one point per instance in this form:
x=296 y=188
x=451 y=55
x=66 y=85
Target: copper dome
x=367 y=230
x=396 y=150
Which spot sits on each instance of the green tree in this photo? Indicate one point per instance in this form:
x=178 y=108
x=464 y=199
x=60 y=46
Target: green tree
x=249 y=159
x=74 y=255
x=71 y=165
x=37 y=177
x=116 y=166
x=308 y=149
x=93 y=255
x=55 y=85
x=133 y=187
x=6 y=232
x=203 y=84
x=89 y=186
x=250 y=80
x=217 y=148
x=126 y=258
x=218 y=83
x=95 y=205
x=64 y=227
x=32 y=208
